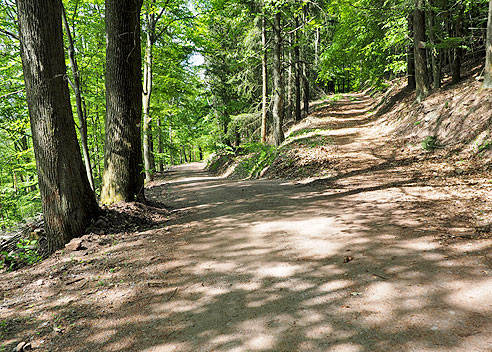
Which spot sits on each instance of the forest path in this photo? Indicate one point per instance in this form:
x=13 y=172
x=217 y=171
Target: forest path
x=351 y=262
x=355 y=261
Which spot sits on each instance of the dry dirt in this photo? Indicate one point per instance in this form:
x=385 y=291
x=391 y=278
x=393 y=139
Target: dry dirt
x=389 y=249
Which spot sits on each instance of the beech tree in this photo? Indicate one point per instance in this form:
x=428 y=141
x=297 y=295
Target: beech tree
x=123 y=179
x=67 y=199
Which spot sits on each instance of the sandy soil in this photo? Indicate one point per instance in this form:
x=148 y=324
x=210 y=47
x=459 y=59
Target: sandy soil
x=381 y=254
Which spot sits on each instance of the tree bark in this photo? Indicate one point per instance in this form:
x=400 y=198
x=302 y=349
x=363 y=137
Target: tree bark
x=411 y=56
x=290 y=83
x=67 y=199
x=264 y=75
x=487 y=81
x=160 y=144
x=305 y=88
x=458 y=52
x=278 y=87
x=434 y=53
x=421 y=70
x=297 y=77
x=78 y=100
x=148 y=156
x=123 y=179
x=305 y=71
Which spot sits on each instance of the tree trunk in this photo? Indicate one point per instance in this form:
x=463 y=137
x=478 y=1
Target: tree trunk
x=78 y=100
x=421 y=71
x=264 y=75
x=434 y=53
x=305 y=88
x=411 y=56
x=171 y=160
x=278 y=88
x=305 y=71
x=487 y=81
x=297 y=60
x=67 y=199
x=147 y=121
x=160 y=144
x=290 y=83
x=123 y=179
x=458 y=52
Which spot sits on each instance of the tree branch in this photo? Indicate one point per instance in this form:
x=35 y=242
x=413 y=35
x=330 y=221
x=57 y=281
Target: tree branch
x=13 y=93
x=10 y=34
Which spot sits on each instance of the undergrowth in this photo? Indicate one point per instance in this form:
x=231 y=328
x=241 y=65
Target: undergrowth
x=25 y=255
x=256 y=157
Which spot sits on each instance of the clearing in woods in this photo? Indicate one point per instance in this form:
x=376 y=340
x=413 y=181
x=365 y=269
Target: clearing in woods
x=381 y=255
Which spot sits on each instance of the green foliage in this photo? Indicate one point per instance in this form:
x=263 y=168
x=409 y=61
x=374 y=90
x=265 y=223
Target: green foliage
x=26 y=255
x=367 y=45
x=429 y=143
x=485 y=145
x=256 y=158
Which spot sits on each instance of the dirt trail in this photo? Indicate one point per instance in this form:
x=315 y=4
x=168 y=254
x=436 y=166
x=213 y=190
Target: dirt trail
x=350 y=263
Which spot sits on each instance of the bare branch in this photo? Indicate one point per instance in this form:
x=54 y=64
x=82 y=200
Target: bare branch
x=13 y=93
x=10 y=34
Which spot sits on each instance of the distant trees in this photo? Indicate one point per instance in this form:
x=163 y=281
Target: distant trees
x=67 y=199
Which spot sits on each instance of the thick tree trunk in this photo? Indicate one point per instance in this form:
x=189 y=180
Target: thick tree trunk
x=487 y=81
x=78 y=101
x=421 y=70
x=264 y=75
x=434 y=52
x=67 y=199
x=278 y=87
x=298 y=73
x=123 y=179
x=147 y=121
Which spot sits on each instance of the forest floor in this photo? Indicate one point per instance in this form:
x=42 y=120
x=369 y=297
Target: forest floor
x=385 y=248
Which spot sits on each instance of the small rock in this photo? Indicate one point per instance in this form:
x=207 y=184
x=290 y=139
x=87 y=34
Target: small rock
x=39 y=282
x=75 y=245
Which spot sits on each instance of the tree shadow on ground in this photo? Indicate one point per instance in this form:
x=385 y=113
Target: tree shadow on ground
x=265 y=266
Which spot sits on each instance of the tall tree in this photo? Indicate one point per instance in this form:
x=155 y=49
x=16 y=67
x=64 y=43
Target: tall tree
x=264 y=77
x=298 y=71
x=68 y=201
x=75 y=83
x=123 y=177
x=421 y=70
x=410 y=55
x=278 y=87
x=487 y=82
